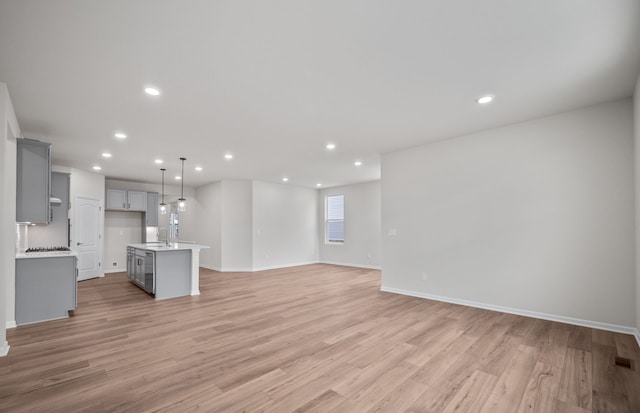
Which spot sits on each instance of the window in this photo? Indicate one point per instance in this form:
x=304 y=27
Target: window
x=335 y=219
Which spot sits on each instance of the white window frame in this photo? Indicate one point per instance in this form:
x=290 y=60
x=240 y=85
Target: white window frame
x=327 y=220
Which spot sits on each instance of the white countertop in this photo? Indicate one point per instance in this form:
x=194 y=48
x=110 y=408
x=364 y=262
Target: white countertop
x=174 y=246
x=47 y=254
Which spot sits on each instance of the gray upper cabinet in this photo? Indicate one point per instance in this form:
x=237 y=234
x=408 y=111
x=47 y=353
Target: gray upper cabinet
x=152 y=209
x=117 y=199
x=33 y=181
x=137 y=201
x=123 y=200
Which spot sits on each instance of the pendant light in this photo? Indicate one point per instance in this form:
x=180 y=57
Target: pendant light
x=163 y=206
x=181 y=201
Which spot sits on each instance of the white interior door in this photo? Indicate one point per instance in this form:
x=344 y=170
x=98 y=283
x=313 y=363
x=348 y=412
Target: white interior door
x=86 y=239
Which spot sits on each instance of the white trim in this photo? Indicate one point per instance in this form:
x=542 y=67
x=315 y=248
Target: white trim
x=11 y=324
x=4 y=349
x=349 y=264
x=209 y=267
x=111 y=271
x=195 y=292
x=245 y=269
x=275 y=267
x=534 y=314
x=637 y=335
x=237 y=269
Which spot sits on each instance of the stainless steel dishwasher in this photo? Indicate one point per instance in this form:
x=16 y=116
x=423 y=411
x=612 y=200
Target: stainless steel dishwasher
x=144 y=269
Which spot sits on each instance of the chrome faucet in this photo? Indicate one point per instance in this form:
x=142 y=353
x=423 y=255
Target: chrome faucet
x=166 y=236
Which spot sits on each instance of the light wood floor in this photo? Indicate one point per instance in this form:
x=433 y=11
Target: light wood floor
x=314 y=338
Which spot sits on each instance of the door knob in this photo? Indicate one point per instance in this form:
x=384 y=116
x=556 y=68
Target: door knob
x=78 y=243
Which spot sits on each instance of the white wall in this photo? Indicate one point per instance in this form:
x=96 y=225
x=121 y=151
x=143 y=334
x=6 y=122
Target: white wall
x=209 y=217
x=9 y=131
x=361 y=246
x=636 y=116
x=120 y=228
x=536 y=216
x=236 y=224
x=253 y=225
x=285 y=230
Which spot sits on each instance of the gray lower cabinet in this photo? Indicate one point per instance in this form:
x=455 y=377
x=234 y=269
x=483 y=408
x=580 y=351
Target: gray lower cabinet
x=46 y=288
x=33 y=181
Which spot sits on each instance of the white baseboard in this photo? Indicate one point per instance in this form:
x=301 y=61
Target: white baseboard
x=637 y=334
x=210 y=267
x=4 y=349
x=350 y=264
x=534 y=314
x=11 y=324
x=195 y=292
x=246 y=269
x=237 y=269
x=115 y=270
x=275 y=267
x=228 y=269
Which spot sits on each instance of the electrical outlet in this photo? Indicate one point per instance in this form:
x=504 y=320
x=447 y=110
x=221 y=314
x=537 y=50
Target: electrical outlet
x=115 y=264
x=423 y=275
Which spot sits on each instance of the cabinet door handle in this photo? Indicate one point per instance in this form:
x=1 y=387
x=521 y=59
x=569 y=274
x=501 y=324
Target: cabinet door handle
x=78 y=243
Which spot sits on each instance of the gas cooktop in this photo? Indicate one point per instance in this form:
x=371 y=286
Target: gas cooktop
x=47 y=249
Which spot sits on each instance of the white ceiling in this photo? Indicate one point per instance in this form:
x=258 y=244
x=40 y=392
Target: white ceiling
x=274 y=81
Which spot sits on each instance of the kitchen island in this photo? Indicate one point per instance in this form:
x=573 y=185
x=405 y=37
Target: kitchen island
x=166 y=271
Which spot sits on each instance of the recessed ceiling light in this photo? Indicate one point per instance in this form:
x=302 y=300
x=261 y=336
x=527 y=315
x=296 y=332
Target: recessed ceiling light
x=120 y=135
x=106 y=155
x=318 y=184
x=228 y=156
x=158 y=161
x=178 y=177
x=331 y=146
x=485 y=99
x=151 y=91
x=96 y=167
x=198 y=168
x=285 y=179
x=357 y=163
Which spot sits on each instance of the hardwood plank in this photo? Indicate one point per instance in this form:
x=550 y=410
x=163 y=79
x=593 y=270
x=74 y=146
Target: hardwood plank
x=609 y=392
x=316 y=338
x=400 y=398
x=511 y=386
x=540 y=394
x=473 y=393
x=563 y=407
x=575 y=384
